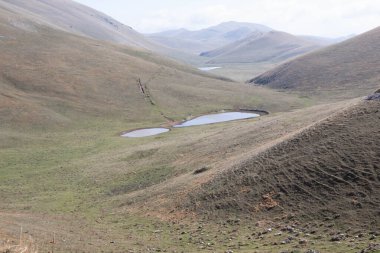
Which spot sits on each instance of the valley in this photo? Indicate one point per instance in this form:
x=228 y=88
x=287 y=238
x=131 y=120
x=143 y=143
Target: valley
x=116 y=141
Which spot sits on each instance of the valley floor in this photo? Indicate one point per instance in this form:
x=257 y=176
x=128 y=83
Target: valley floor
x=87 y=189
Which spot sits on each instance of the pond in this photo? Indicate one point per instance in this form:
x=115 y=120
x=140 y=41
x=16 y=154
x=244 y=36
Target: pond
x=145 y=132
x=209 y=68
x=201 y=120
x=217 y=118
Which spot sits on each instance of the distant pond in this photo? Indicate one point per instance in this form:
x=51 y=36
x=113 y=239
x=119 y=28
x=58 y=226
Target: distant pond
x=209 y=68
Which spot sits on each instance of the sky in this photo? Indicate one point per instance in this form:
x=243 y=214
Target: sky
x=327 y=18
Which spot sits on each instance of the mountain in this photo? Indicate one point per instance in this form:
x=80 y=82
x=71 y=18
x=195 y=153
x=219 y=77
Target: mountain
x=48 y=75
x=74 y=17
x=350 y=68
x=270 y=46
x=331 y=169
x=210 y=38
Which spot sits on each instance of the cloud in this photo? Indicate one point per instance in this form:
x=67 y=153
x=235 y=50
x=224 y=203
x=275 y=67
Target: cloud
x=165 y=19
x=323 y=17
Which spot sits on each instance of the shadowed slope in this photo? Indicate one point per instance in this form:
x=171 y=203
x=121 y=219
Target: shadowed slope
x=330 y=169
x=348 y=69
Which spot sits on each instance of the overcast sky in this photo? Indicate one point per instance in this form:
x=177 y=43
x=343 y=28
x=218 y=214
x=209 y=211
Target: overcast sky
x=329 y=18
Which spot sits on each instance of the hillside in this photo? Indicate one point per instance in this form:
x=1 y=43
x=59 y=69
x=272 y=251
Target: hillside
x=261 y=47
x=348 y=69
x=195 y=42
x=69 y=182
x=73 y=17
x=331 y=169
x=48 y=75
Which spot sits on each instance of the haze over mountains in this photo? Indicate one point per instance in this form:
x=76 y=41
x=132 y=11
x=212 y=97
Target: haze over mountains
x=271 y=46
x=196 y=42
x=223 y=43
x=238 y=42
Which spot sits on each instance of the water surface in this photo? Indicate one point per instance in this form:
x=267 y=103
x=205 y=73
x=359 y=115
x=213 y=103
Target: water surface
x=209 y=68
x=217 y=118
x=145 y=132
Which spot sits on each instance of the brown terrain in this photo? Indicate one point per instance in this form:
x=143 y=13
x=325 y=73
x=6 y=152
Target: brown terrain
x=347 y=69
x=303 y=178
x=329 y=170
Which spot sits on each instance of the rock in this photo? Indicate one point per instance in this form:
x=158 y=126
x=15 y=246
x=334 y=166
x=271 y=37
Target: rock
x=303 y=241
x=201 y=170
x=311 y=251
x=373 y=247
x=289 y=229
x=287 y=240
x=338 y=237
x=375 y=96
x=233 y=221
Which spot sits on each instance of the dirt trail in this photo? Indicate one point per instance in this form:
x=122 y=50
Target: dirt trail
x=145 y=91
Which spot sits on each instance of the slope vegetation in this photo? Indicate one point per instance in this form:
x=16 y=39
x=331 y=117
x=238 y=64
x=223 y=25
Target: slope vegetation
x=329 y=170
x=348 y=69
x=262 y=47
x=76 y=18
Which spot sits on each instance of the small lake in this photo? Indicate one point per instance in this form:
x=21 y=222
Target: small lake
x=209 y=68
x=145 y=132
x=217 y=118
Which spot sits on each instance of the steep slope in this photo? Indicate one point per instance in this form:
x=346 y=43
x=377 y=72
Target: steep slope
x=210 y=38
x=259 y=47
x=77 y=18
x=348 y=69
x=329 y=170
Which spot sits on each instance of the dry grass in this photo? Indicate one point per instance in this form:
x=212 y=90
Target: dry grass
x=331 y=168
x=65 y=171
x=346 y=70
x=24 y=244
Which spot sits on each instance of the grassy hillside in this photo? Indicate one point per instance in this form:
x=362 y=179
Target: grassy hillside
x=76 y=18
x=328 y=172
x=348 y=69
x=50 y=76
x=261 y=47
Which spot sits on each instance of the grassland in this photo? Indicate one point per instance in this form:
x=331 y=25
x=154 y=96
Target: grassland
x=73 y=184
x=89 y=187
